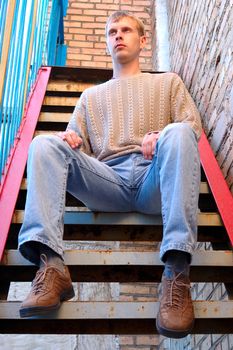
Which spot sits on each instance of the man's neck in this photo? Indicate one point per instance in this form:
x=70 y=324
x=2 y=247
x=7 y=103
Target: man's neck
x=120 y=71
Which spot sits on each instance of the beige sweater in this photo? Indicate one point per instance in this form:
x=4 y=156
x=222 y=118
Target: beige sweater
x=112 y=118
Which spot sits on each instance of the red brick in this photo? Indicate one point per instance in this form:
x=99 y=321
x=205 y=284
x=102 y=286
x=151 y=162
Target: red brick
x=80 y=37
x=73 y=12
x=83 y=18
x=94 y=38
x=93 y=64
x=93 y=25
x=100 y=45
x=74 y=24
x=109 y=7
x=86 y=5
x=95 y=12
x=81 y=44
x=102 y=58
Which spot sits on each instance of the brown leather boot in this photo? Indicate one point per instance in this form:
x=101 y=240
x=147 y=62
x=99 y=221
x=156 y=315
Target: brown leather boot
x=176 y=315
x=49 y=288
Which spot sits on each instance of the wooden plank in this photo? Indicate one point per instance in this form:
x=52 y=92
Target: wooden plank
x=54 y=117
x=112 y=318
x=60 y=101
x=82 y=216
x=67 y=85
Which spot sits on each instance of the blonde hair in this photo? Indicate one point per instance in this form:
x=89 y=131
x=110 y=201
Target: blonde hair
x=118 y=15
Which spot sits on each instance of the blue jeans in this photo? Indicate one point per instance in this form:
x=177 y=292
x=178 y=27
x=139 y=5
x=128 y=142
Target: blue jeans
x=168 y=185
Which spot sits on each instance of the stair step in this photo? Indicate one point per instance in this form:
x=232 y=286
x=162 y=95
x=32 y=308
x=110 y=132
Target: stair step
x=112 y=318
x=122 y=266
x=60 y=101
x=83 y=216
x=67 y=85
x=54 y=117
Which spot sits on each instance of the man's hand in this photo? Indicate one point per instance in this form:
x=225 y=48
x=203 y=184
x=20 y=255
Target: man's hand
x=148 y=144
x=70 y=137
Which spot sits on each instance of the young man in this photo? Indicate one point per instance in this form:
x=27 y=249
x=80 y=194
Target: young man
x=131 y=145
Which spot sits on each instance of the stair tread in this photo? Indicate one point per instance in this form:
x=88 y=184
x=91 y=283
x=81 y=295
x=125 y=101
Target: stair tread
x=67 y=85
x=119 y=310
x=60 y=101
x=54 y=117
x=83 y=216
x=120 y=257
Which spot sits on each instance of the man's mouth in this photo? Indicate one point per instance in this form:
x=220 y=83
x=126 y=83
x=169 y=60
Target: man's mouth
x=118 y=46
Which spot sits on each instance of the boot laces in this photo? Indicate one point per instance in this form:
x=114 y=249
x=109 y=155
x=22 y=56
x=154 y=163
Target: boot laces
x=40 y=284
x=177 y=291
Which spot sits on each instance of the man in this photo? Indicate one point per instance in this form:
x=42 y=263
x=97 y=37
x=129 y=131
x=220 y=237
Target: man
x=131 y=145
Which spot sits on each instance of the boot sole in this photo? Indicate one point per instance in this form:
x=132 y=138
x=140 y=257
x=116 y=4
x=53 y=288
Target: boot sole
x=42 y=310
x=169 y=333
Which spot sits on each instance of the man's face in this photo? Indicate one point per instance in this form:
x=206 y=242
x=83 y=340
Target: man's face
x=123 y=40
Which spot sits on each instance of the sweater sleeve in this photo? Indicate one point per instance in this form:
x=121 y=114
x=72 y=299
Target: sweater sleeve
x=183 y=108
x=78 y=124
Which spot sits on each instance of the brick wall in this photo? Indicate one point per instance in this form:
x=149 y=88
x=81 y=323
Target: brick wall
x=201 y=53
x=201 y=35
x=85 y=31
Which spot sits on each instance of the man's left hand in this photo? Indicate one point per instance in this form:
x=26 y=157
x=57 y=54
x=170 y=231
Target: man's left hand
x=149 y=143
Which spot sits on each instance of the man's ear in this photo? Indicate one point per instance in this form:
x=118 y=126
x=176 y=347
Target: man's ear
x=142 y=42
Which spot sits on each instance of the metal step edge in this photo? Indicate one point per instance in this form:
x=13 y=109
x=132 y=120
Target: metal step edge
x=68 y=86
x=82 y=216
x=60 y=101
x=54 y=117
x=120 y=258
x=80 y=310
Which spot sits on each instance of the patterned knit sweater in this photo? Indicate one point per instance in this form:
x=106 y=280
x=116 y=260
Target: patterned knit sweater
x=112 y=118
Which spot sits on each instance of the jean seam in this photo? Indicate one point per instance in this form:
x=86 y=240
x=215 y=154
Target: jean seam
x=193 y=196
x=62 y=199
x=97 y=173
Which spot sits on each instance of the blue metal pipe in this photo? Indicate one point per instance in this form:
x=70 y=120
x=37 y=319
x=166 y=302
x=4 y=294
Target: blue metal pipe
x=48 y=44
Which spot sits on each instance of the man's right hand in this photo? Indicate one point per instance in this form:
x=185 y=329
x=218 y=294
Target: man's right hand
x=70 y=137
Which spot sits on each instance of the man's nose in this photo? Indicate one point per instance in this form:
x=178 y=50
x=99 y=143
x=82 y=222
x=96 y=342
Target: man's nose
x=118 y=35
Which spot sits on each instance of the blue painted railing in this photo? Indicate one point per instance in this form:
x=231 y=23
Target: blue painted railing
x=37 y=38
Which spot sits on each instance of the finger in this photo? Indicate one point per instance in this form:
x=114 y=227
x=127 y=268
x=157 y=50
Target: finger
x=153 y=146
x=144 y=147
x=71 y=138
x=147 y=147
x=74 y=139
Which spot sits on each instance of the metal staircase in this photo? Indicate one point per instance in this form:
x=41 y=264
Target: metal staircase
x=75 y=317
